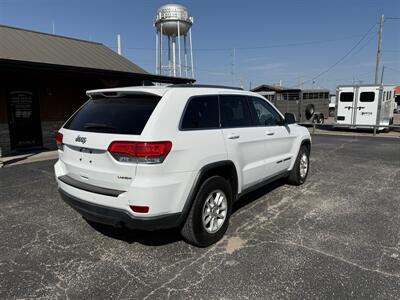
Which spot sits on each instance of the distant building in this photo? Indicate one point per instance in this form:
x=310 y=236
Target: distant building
x=397 y=91
x=44 y=78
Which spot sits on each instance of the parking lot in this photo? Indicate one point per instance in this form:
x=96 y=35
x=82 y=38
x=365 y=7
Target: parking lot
x=336 y=236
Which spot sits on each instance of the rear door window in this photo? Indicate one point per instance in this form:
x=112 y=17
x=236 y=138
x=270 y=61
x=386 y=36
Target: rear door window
x=126 y=115
x=346 y=97
x=367 y=97
x=235 y=111
x=201 y=113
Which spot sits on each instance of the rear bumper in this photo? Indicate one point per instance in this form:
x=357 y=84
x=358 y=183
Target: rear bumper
x=118 y=217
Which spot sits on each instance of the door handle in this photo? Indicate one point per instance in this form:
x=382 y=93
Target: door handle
x=270 y=133
x=233 y=136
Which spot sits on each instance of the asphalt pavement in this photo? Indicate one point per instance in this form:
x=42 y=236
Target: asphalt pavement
x=336 y=236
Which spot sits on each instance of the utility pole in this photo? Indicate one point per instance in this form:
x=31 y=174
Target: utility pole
x=383 y=70
x=119 y=44
x=379 y=52
x=301 y=82
x=233 y=71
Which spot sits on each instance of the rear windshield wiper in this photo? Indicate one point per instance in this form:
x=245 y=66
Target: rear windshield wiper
x=99 y=126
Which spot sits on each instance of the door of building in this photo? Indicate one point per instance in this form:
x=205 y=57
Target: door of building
x=23 y=119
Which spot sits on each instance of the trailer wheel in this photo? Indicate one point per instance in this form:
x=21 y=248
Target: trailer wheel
x=321 y=119
x=315 y=119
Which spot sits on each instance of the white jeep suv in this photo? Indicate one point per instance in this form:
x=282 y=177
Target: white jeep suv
x=176 y=156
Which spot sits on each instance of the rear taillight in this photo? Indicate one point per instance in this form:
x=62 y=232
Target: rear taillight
x=139 y=209
x=59 y=140
x=140 y=152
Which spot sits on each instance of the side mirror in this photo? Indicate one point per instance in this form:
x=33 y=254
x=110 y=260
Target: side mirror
x=289 y=119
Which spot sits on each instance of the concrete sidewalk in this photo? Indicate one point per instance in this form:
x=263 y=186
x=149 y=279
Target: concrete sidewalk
x=352 y=132
x=27 y=158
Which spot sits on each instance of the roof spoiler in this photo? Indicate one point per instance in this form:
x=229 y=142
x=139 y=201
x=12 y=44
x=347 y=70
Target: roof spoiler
x=118 y=94
x=189 y=85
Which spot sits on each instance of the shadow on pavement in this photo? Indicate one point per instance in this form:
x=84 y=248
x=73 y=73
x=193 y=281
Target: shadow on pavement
x=256 y=194
x=168 y=236
x=148 y=238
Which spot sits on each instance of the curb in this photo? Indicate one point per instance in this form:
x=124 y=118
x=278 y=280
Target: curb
x=27 y=158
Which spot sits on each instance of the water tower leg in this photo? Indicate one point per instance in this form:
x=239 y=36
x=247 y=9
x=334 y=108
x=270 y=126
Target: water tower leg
x=157 y=52
x=161 y=50
x=191 y=51
x=174 y=54
x=169 y=55
x=179 y=51
x=186 y=58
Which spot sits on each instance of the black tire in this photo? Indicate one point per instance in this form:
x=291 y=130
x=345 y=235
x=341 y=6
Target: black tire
x=193 y=230
x=315 y=119
x=294 y=177
x=321 y=119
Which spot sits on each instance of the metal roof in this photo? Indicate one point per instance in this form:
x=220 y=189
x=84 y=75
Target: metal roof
x=272 y=88
x=25 y=45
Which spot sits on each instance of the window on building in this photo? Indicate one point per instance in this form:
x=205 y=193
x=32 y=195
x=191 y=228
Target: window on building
x=201 y=113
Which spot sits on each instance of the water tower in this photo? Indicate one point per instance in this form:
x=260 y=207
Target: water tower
x=173 y=23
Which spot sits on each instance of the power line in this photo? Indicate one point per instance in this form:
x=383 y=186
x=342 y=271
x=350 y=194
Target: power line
x=343 y=57
x=255 y=47
x=390 y=68
x=366 y=44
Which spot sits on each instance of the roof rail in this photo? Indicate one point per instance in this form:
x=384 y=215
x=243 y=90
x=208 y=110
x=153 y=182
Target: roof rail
x=205 y=86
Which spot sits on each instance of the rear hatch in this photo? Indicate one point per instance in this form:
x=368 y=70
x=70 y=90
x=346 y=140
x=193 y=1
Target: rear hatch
x=88 y=134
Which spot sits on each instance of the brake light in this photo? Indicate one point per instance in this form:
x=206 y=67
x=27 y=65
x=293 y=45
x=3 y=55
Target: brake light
x=140 y=152
x=59 y=140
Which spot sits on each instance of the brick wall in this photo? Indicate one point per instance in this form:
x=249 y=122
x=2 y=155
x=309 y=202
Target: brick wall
x=49 y=129
x=4 y=139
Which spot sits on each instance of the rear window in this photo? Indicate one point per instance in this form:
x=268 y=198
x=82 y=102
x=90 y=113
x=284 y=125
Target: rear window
x=367 y=97
x=114 y=115
x=346 y=97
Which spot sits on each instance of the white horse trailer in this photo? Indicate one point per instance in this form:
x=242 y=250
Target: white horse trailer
x=364 y=106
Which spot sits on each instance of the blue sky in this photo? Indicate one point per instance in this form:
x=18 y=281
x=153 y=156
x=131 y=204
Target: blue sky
x=292 y=41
